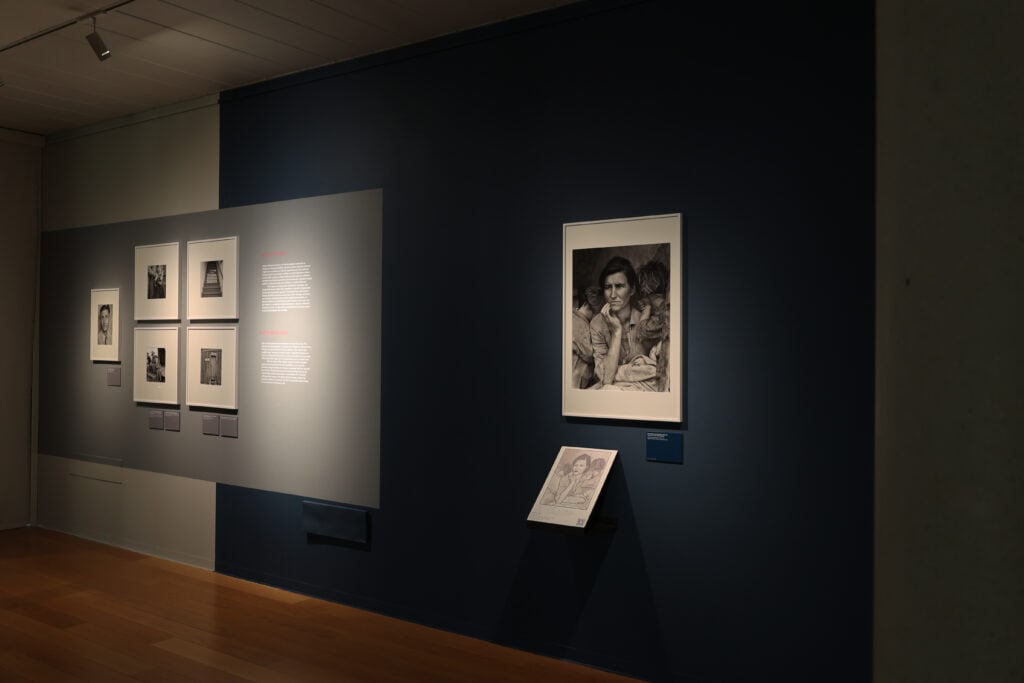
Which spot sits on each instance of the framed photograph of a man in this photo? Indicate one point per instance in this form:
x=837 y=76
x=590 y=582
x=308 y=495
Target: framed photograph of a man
x=156 y=281
x=155 y=377
x=212 y=372
x=104 y=317
x=622 y=319
x=572 y=487
x=213 y=279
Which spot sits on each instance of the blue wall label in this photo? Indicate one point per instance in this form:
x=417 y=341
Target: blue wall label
x=665 y=447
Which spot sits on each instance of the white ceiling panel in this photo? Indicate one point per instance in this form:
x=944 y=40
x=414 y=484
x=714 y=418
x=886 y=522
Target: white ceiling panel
x=168 y=51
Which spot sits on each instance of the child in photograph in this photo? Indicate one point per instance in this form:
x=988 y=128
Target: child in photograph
x=582 y=346
x=653 y=328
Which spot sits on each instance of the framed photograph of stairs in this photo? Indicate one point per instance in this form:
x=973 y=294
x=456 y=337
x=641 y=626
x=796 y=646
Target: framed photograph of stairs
x=213 y=279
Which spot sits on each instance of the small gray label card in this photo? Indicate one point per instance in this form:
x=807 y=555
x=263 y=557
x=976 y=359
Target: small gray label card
x=211 y=424
x=229 y=426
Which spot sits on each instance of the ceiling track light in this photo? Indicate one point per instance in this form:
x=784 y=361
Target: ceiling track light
x=97 y=44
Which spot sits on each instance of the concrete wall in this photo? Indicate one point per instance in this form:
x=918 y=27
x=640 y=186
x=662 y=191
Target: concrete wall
x=20 y=159
x=160 y=163
x=949 y=587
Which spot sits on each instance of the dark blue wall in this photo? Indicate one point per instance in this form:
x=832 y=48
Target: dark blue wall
x=753 y=560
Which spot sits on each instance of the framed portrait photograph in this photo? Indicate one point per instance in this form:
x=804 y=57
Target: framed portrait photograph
x=156 y=281
x=572 y=486
x=213 y=279
x=104 y=317
x=155 y=378
x=212 y=367
x=622 y=319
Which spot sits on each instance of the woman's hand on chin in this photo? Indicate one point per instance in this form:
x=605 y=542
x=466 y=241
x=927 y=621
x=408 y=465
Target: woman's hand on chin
x=614 y=324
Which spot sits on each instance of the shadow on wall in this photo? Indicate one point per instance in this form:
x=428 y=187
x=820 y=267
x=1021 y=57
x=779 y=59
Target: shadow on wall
x=562 y=585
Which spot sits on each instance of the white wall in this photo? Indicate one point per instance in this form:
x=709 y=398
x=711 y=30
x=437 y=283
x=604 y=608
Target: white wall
x=20 y=159
x=949 y=580
x=158 y=514
x=161 y=163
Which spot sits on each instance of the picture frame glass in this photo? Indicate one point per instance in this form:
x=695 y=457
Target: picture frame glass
x=155 y=375
x=157 y=279
x=104 y=324
x=622 y=319
x=213 y=279
x=212 y=368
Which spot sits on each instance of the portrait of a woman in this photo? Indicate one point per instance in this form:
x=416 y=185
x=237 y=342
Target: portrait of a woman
x=619 y=359
x=622 y=352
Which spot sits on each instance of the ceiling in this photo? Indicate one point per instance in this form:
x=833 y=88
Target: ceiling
x=168 y=51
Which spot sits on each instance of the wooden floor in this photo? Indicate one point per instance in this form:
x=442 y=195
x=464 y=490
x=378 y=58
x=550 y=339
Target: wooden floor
x=74 y=610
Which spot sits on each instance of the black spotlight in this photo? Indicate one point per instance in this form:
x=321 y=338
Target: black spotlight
x=97 y=44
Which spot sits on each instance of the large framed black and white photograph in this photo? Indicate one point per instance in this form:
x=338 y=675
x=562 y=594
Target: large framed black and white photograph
x=104 y=317
x=156 y=281
x=155 y=378
x=622 y=319
x=572 y=486
x=213 y=279
x=212 y=368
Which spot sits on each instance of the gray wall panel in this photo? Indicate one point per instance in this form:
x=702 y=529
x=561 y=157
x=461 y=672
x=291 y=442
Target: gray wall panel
x=319 y=439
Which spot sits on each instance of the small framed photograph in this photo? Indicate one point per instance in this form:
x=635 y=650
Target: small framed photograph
x=213 y=279
x=156 y=281
x=572 y=487
x=622 y=311
x=104 y=327
x=156 y=365
x=212 y=368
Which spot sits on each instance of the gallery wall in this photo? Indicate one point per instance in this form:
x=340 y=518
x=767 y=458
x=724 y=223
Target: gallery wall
x=753 y=559
x=288 y=434
x=163 y=162
x=949 y=600
x=20 y=178
x=948 y=562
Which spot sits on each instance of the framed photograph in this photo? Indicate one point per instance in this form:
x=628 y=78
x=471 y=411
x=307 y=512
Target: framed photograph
x=572 y=487
x=213 y=279
x=212 y=372
x=104 y=317
x=156 y=281
x=156 y=365
x=622 y=314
